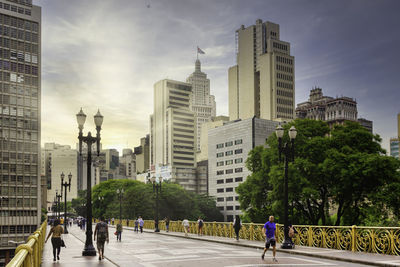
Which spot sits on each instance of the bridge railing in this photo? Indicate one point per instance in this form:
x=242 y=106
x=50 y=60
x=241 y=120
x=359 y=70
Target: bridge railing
x=30 y=253
x=382 y=240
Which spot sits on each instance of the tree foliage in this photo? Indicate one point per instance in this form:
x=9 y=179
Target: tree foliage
x=139 y=200
x=339 y=176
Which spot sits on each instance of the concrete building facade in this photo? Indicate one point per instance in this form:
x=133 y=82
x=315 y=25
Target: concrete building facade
x=395 y=141
x=229 y=146
x=127 y=164
x=142 y=155
x=172 y=138
x=20 y=113
x=262 y=82
x=202 y=103
x=60 y=159
x=332 y=110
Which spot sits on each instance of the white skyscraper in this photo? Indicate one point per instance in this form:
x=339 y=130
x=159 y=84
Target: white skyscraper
x=202 y=103
x=262 y=82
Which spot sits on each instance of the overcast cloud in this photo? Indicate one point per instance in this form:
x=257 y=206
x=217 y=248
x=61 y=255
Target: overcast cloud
x=108 y=55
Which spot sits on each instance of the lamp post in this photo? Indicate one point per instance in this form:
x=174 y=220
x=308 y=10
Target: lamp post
x=58 y=201
x=156 y=188
x=65 y=185
x=89 y=140
x=288 y=150
x=120 y=193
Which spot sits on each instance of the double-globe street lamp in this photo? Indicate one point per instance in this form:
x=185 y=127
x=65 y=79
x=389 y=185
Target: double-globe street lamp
x=89 y=140
x=156 y=189
x=288 y=151
x=65 y=185
x=120 y=193
x=58 y=203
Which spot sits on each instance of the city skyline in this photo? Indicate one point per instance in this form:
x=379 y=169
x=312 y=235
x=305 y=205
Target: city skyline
x=107 y=57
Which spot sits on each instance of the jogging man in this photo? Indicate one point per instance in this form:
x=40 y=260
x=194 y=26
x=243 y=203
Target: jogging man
x=269 y=234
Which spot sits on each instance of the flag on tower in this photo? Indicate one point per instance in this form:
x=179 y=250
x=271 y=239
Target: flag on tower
x=200 y=51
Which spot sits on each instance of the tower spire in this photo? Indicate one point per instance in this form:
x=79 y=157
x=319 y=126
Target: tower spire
x=197 y=66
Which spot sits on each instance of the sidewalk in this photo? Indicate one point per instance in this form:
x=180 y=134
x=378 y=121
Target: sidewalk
x=72 y=254
x=331 y=254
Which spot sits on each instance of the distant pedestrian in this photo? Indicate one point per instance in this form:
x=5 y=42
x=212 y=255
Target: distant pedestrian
x=56 y=231
x=200 y=224
x=112 y=221
x=136 y=223
x=237 y=224
x=119 y=230
x=186 y=225
x=83 y=224
x=101 y=233
x=127 y=222
x=141 y=223
x=167 y=224
x=291 y=233
x=70 y=222
x=269 y=234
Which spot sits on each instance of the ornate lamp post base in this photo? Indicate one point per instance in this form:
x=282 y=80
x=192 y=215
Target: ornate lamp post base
x=89 y=251
x=287 y=244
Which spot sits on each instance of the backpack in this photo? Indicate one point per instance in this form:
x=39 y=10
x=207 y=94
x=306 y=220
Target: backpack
x=102 y=231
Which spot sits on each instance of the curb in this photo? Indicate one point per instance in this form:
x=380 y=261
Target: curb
x=293 y=252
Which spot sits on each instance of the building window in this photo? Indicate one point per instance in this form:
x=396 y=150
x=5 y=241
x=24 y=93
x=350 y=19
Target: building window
x=238 y=142
x=220 y=190
x=229 y=199
x=229 y=143
x=220 y=181
x=229 y=162
x=237 y=207
x=228 y=153
x=220 y=199
x=221 y=208
x=237 y=198
x=220 y=154
x=239 y=170
x=238 y=151
x=229 y=189
x=220 y=145
x=228 y=171
x=220 y=163
x=229 y=207
x=220 y=172
x=230 y=180
x=239 y=160
x=238 y=179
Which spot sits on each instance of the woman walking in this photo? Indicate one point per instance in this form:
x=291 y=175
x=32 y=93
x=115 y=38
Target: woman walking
x=237 y=224
x=119 y=231
x=56 y=231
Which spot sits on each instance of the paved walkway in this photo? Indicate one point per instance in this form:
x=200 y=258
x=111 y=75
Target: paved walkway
x=173 y=249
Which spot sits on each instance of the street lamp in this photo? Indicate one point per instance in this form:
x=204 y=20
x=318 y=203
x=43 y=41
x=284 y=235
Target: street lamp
x=120 y=193
x=65 y=185
x=156 y=188
x=58 y=205
x=288 y=150
x=89 y=140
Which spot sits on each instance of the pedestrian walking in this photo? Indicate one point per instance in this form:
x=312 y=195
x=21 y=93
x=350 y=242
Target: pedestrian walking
x=112 y=221
x=269 y=234
x=186 y=225
x=136 y=225
x=127 y=222
x=237 y=224
x=101 y=234
x=200 y=224
x=119 y=230
x=167 y=224
x=141 y=223
x=55 y=232
x=291 y=233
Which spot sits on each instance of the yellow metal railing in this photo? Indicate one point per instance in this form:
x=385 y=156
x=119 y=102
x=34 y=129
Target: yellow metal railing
x=30 y=253
x=382 y=240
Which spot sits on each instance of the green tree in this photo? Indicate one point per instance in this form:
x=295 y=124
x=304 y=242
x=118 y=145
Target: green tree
x=342 y=169
x=79 y=204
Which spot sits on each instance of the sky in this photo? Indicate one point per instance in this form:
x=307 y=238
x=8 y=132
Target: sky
x=108 y=54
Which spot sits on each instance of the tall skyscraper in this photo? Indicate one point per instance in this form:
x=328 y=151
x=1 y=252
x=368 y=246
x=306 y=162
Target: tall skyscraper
x=262 y=82
x=20 y=91
x=395 y=141
x=203 y=104
x=172 y=136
